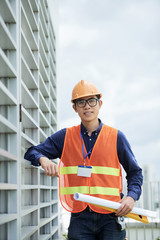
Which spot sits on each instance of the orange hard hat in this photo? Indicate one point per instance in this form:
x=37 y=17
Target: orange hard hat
x=84 y=89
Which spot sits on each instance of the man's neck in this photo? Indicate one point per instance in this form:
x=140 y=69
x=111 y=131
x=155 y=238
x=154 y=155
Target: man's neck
x=91 y=126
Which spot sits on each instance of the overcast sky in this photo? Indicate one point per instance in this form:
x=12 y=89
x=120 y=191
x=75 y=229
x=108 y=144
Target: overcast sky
x=116 y=45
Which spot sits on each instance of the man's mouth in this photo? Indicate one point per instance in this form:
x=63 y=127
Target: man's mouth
x=87 y=113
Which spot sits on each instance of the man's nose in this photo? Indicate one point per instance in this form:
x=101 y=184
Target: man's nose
x=87 y=105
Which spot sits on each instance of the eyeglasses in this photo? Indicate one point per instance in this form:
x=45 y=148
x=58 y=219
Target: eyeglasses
x=92 y=102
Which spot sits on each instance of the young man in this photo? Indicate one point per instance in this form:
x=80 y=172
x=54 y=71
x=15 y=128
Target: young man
x=101 y=149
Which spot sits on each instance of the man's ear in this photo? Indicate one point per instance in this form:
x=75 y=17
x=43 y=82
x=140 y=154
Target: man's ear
x=74 y=107
x=100 y=103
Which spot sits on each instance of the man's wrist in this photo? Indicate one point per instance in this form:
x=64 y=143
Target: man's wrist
x=43 y=158
x=132 y=195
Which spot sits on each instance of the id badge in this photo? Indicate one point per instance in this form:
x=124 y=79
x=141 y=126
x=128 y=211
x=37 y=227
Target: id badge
x=84 y=171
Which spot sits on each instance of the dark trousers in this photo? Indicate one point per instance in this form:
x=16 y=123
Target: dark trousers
x=89 y=225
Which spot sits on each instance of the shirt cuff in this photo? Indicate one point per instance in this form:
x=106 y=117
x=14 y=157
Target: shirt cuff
x=133 y=195
x=36 y=160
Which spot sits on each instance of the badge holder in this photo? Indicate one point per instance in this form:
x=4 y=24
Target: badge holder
x=84 y=171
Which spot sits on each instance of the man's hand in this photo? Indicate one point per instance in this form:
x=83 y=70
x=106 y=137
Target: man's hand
x=127 y=205
x=49 y=167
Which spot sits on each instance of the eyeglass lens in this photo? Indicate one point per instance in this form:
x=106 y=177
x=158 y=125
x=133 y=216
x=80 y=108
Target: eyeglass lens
x=92 y=102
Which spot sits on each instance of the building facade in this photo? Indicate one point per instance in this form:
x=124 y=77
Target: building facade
x=28 y=115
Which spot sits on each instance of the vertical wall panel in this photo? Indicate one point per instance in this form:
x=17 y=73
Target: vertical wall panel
x=28 y=110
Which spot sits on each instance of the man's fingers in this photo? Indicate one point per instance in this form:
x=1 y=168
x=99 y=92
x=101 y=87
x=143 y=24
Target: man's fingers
x=119 y=211
x=123 y=211
x=49 y=167
x=51 y=170
x=126 y=206
x=56 y=170
x=45 y=169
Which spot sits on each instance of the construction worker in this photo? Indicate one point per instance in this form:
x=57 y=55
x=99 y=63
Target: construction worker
x=91 y=155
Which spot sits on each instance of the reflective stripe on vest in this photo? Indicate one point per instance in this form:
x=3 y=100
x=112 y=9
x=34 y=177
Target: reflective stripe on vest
x=95 y=169
x=73 y=190
x=93 y=190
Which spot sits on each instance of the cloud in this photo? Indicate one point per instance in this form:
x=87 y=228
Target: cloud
x=76 y=38
x=114 y=44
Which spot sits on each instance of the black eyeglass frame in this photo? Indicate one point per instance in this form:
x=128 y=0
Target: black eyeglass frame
x=87 y=101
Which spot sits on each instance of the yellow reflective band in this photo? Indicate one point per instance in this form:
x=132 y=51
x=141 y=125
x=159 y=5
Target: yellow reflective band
x=104 y=191
x=105 y=170
x=69 y=170
x=73 y=190
x=95 y=169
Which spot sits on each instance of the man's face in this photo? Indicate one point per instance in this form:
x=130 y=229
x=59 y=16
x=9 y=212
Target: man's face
x=88 y=111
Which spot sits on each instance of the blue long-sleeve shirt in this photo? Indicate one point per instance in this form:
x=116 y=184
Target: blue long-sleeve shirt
x=52 y=148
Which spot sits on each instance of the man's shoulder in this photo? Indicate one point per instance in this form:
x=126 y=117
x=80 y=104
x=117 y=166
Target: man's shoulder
x=107 y=127
x=59 y=134
x=73 y=128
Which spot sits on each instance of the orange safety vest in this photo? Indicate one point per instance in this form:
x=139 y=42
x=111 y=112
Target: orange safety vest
x=106 y=178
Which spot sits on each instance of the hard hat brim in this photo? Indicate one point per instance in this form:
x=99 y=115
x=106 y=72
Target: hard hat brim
x=86 y=95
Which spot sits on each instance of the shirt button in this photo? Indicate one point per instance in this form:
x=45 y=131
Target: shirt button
x=90 y=139
x=96 y=133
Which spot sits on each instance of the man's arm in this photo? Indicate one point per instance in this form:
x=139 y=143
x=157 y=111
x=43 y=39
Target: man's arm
x=51 y=148
x=133 y=175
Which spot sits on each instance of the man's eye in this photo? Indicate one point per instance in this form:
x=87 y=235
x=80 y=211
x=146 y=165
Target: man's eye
x=81 y=102
x=92 y=100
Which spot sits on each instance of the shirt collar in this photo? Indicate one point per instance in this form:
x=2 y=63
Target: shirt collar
x=84 y=130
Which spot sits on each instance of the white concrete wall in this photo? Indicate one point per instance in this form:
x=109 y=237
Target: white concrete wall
x=28 y=114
